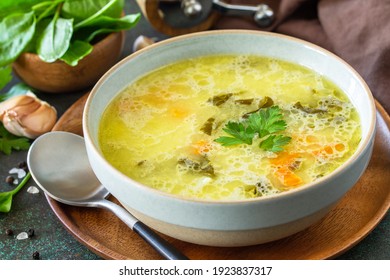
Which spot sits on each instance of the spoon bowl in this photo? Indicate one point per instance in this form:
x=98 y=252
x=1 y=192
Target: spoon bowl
x=59 y=164
x=65 y=176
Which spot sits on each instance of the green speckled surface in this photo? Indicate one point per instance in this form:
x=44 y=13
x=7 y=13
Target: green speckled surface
x=52 y=240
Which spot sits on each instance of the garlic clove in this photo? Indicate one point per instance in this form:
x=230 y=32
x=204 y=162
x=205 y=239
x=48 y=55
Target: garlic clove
x=12 y=102
x=141 y=42
x=40 y=121
x=27 y=116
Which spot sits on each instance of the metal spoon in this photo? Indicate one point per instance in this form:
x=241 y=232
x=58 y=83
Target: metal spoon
x=58 y=163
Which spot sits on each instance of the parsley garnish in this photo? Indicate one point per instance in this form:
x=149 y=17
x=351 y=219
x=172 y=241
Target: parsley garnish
x=241 y=133
x=274 y=143
x=263 y=123
x=9 y=141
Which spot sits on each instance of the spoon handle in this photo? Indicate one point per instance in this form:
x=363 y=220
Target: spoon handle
x=159 y=244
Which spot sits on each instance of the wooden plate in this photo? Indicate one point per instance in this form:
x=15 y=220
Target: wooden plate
x=348 y=223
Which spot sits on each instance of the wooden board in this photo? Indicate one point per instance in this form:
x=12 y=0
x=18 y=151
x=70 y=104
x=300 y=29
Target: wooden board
x=347 y=224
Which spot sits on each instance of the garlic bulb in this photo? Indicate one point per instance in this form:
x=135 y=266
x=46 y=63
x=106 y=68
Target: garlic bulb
x=27 y=115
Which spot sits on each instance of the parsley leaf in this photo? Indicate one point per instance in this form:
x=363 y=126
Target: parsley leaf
x=9 y=142
x=267 y=121
x=241 y=134
x=4 y=96
x=274 y=143
x=262 y=123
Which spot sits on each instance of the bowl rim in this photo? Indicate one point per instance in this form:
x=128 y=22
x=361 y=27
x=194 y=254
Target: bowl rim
x=359 y=152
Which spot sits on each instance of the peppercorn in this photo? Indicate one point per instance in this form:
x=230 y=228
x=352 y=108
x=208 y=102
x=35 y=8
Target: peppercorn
x=23 y=165
x=9 y=232
x=30 y=232
x=35 y=255
x=9 y=180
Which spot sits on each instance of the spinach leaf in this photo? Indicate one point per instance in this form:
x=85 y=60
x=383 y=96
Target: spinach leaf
x=45 y=9
x=6 y=197
x=82 y=10
x=40 y=26
x=16 y=31
x=96 y=15
x=55 y=39
x=5 y=76
x=8 y=7
x=5 y=201
x=125 y=22
x=103 y=25
x=77 y=51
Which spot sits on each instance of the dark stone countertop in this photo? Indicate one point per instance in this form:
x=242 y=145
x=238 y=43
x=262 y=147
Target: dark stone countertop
x=54 y=242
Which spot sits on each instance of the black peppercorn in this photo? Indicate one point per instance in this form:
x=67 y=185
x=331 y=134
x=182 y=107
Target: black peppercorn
x=23 y=165
x=9 y=232
x=9 y=180
x=30 y=232
x=35 y=255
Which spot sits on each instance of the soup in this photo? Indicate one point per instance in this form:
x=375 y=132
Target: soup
x=229 y=127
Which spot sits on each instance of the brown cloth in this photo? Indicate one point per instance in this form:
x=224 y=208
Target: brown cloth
x=358 y=31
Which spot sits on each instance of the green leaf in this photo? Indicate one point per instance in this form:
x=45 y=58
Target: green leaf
x=39 y=29
x=55 y=39
x=5 y=76
x=6 y=197
x=274 y=143
x=3 y=96
x=9 y=142
x=8 y=7
x=77 y=51
x=96 y=15
x=240 y=133
x=16 y=31
x=86 y=9
x=124 y=22
x=229 y=141
x=46 y=8
x=267 y=121
x=263 y=123
x=5 y=201
x=104 y=25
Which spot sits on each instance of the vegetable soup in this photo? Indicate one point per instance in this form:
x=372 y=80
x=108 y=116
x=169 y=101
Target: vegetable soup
x=229 y=127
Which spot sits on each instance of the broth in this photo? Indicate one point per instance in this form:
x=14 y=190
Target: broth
x=161 y=130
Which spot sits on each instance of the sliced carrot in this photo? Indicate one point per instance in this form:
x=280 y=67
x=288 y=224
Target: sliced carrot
x=284 y=158
x=329 y=149
x=282 y=171
x=287 y=177
x=339 y=147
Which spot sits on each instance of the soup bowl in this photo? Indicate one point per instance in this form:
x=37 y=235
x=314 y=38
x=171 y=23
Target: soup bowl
x=234 y=222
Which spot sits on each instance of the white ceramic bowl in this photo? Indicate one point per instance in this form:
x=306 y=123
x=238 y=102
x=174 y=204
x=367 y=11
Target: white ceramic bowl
x=231 y=223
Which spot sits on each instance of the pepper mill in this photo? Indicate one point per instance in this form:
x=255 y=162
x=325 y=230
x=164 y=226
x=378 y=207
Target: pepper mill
x=177 y=17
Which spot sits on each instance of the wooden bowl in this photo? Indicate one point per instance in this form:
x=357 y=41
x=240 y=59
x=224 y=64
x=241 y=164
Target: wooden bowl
x=59 y=77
